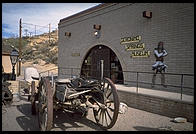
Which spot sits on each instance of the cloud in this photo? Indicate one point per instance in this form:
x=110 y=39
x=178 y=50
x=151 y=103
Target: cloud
x=37 y=13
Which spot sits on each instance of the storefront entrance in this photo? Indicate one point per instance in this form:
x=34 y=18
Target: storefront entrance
x=91 y=67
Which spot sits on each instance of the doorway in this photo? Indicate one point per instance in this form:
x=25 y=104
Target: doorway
x=91 y=66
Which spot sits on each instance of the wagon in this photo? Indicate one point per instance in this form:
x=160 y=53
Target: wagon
x=76 y=94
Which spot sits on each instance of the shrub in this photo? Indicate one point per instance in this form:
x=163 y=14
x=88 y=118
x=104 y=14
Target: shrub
x=35 y=62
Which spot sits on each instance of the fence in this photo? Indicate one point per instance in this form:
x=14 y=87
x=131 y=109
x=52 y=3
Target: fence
x=184 y=82
x=53 y=71
x=177 y=83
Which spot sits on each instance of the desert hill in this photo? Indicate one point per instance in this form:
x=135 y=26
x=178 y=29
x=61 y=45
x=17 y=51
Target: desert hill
x=37 y=50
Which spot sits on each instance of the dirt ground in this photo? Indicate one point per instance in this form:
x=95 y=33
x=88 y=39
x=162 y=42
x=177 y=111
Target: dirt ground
x=18 y=117
x=41 y=66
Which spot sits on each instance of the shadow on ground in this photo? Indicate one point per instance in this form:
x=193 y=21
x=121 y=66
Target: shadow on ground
x=28 y=122
x=62 y=120
x=24 y=97
x=74 y=121
x=141 y=128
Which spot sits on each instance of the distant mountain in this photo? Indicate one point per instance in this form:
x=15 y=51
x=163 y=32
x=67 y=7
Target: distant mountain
x=37 y=47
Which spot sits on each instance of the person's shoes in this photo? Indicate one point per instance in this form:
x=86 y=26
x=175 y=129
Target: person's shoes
x=152 y=86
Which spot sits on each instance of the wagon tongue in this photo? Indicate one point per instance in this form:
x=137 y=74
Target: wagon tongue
x=78 y=93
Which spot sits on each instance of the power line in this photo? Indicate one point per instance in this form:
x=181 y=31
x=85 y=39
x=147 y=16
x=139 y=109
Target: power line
x=39 y=29
x=30 y=27
x=39 y=25
x=34 y=25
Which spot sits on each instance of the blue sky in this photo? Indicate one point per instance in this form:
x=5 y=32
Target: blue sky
x=41 y=14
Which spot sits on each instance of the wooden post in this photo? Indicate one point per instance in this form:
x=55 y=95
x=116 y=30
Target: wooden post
x=32 y=98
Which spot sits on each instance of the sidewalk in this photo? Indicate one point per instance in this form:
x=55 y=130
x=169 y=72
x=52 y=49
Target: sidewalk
x=159 y=93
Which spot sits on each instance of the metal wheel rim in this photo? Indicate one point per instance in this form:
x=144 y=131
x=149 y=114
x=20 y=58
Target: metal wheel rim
x=103 y=115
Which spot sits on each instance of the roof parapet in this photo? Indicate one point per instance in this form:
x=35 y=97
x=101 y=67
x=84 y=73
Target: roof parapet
x=85 y=12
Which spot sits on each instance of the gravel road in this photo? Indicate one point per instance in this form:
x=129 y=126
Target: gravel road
x=17 y=117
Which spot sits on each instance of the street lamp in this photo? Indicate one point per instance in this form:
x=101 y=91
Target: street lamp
x=14 y=58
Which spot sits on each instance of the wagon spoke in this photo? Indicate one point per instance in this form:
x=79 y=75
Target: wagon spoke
x=99 y=116
x=110 y=106
x=109 y=101
x=111 y=109
x=106 y=119
x=108 y=86
x=109 y=95
x=97 y=102
x=102 y=116
x=106 y=89
x=108 y=114
x=98 y=112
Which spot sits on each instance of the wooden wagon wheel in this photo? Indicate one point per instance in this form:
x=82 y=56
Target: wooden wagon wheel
x=45 y=106
x=32 y=98
x=107 y=113
x=7 y=96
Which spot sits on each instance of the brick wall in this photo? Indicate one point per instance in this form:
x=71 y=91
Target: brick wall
x=162 y=106
x=172 y=23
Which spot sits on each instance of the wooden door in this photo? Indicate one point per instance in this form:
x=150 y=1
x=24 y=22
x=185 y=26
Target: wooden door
x=100 y=53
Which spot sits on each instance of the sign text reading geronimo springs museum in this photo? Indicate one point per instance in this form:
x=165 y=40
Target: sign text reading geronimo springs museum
x=133 y=44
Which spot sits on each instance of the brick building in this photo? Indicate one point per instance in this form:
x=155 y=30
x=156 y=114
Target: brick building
x=105 y=32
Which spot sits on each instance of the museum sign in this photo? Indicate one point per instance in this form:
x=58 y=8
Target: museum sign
x=135 y=45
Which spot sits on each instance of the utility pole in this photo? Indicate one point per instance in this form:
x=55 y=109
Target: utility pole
x=49 y=33
x=20 y=46
x=57 y=33
x=35 y=30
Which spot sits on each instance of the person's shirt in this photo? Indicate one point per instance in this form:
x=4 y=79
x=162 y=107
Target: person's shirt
x=159 y=56
x=164 y=52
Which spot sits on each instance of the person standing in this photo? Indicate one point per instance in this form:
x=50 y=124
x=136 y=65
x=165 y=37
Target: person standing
x=159 y=66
